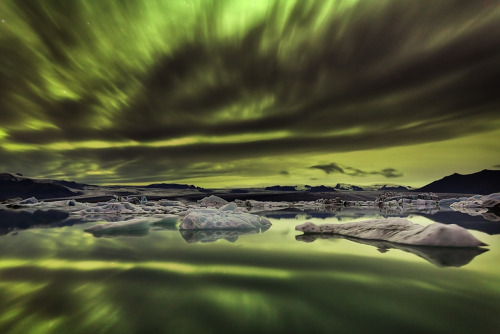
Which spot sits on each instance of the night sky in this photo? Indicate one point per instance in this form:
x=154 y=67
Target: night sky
x=249 y=93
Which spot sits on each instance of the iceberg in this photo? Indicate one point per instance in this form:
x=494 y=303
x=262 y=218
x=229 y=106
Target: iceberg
x=113 y=208
x=212 y=201
x=209 y=219
x=490 y=201
x=398 y=230
x=31 y=200
x=487 y=206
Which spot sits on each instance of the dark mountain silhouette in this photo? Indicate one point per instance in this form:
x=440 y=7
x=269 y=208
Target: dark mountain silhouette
x=173 y=186
x=71 y=184
x=12 y=186
x=321 y=189
x=239 y=191
x=483 y=182
x=478 y=223
x=281 y=188
x=394 y=188
x=348 y=187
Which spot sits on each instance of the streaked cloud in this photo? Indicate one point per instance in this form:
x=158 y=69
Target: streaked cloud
x=334 y=168
x=154 y=89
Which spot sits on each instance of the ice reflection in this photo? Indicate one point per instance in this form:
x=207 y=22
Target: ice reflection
x=133 y=226
x=486 y=223
x=438 y=256
x=204 y=236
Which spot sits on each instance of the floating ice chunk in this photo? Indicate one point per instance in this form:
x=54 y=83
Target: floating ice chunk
x=399 y=230
x=488 y=206
x=445 y=203
x=131 y=199
x=258 y=204
x=240 y=209
x=469 y=203
x=207 y=219
x=228 y=207
x=309 y=228
x=487 y=201
x=31 y=200
x=212 y=200
x=165 y=202
x=113 y=208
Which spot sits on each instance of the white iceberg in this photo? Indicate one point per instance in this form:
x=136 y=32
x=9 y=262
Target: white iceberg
x=213 y=201
x=31 y=200
x=487 y=206
x=399 y=230
x=487 y=201
x=208 y=219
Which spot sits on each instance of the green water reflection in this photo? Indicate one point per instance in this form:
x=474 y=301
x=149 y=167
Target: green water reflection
x=63 y=280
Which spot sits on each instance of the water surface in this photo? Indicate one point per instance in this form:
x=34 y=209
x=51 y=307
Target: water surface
x=64 y=280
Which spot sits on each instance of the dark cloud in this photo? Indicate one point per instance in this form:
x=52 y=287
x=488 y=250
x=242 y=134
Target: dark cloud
x=334 y=168
x=285 y=173
x=371 y=75
x=317 y=85
x=496 y=166
x=329 y=168
x=389 y=173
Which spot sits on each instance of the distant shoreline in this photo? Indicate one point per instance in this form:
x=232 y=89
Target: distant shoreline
x=264 y=196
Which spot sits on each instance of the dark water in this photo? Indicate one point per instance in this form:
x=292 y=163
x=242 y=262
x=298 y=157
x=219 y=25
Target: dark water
x=64 y=280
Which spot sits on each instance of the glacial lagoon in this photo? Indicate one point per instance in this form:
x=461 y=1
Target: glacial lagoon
x=159 y=280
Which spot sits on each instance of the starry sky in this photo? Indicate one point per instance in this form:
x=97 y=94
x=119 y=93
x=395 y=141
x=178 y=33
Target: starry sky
x=248 y=93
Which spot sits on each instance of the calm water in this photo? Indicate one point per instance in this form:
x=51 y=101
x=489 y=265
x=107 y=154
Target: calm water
x=64 y=280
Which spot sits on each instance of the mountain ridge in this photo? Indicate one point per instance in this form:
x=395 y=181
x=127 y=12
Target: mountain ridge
x=483 y=182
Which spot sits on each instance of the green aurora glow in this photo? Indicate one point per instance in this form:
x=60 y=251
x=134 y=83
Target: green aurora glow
x=249 y=92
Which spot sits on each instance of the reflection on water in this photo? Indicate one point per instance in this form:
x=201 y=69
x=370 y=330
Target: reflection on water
x=478 y=223
x=21 y=220
x=65 y=280
x=192 y=236
x=138 y=229
x=439 y=256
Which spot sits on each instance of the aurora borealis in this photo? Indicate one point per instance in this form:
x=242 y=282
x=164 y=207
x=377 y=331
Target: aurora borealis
x=248 y=92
